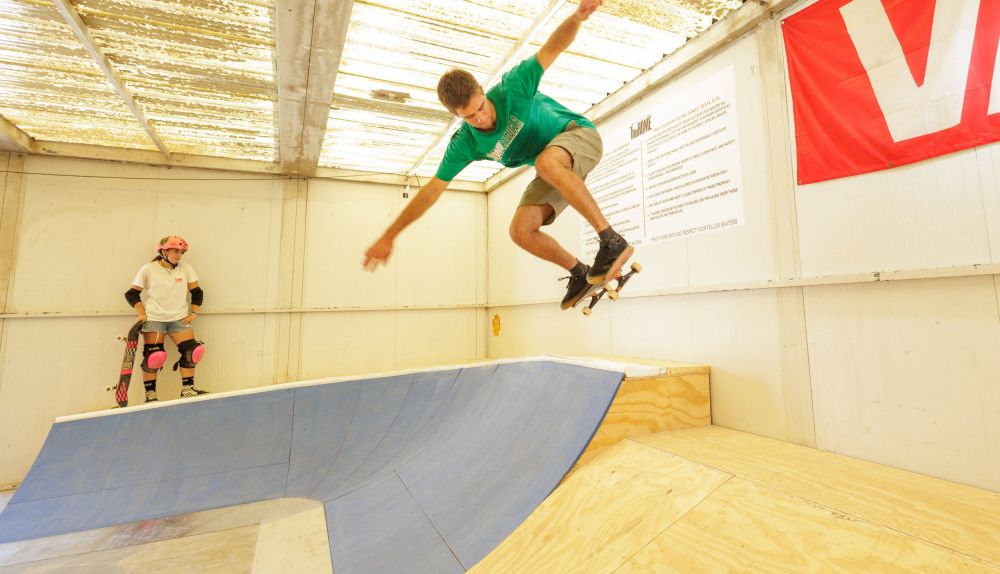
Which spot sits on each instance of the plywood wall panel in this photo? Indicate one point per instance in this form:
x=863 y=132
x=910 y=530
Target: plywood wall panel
x=738 y=336
x=347 y=343
x=907 y=374
x=87 y=227
x=989 y=170
x=436 y=337
x=437 y=261
x=547 y=330
x=358 y=342
x=439 y=255
x=342 y=221
x=80 y=243
x=924 y=215
x=652 y=327
x=11 y=201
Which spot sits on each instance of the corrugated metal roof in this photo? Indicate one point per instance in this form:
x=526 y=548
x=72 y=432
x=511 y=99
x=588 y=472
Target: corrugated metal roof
x=203 y=72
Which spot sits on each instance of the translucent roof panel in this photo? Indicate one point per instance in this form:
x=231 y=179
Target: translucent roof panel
x=397 y=49
x=203 y=72
x=50 y=87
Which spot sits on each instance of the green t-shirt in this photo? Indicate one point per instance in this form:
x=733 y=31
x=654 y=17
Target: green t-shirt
x=527 y=120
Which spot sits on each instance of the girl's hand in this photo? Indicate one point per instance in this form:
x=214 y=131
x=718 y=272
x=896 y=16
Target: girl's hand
x=189 y=319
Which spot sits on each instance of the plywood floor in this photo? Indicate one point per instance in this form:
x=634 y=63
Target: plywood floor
x=708 y=500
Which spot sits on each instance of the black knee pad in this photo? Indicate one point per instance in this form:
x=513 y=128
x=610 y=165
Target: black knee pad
x=191 y=352
x=153 y=357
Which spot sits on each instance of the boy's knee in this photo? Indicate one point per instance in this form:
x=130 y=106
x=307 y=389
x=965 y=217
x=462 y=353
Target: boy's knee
x=517 y=232
x=553 y=159
x=521 y=229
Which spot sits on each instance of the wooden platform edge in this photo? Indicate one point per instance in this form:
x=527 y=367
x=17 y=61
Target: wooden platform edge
x=645 y=405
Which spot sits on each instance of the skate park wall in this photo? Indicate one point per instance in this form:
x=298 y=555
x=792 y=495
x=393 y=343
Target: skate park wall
x=279 y=260
x=859 y=316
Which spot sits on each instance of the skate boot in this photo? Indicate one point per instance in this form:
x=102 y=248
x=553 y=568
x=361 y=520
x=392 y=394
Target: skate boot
x=191 y=391
x=151 y=397
x=577 y=290
x=611 y=257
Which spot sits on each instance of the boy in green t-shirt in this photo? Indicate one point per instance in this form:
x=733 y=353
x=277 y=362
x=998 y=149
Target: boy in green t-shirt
x=515 y=125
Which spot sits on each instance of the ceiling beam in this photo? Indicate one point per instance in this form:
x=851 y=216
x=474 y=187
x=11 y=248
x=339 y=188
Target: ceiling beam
x=72 y=18
x=248 y=166
x=13 y=139
x=512 y=55
x=152 y=157
x=716 y=38
x=310 y=36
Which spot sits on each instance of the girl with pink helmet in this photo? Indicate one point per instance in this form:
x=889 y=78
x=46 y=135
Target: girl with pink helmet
x=159 y=294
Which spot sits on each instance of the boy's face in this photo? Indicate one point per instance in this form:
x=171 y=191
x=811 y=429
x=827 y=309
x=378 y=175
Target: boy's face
x=478 y=112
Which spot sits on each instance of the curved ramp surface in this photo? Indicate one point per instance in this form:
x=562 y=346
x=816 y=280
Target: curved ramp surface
x=422 y=472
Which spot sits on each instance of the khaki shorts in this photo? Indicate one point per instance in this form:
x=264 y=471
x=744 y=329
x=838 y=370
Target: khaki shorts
x=585 y=146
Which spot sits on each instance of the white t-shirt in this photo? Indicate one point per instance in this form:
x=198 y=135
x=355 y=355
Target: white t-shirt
x=165 y=291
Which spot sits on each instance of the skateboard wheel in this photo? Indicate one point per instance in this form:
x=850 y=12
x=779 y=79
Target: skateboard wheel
x=612 y=294
x=636 y=267
x=119 y=338
x=587 y=311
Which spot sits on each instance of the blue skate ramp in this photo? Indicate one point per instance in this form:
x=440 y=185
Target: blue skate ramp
x=418 y=472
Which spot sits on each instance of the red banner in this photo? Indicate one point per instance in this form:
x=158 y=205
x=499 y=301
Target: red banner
x=881 y=83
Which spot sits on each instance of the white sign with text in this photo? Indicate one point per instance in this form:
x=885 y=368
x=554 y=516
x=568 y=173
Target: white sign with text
x=671 y=168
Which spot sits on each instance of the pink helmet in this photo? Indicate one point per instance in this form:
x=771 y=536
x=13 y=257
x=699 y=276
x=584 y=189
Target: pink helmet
x=172 y=242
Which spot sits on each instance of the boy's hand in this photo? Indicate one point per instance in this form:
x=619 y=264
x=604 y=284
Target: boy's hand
x=587 y=7
x=378 y=253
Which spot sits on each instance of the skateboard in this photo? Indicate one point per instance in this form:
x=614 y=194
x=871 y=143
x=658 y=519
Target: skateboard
x=607 y=290
x=128 y=362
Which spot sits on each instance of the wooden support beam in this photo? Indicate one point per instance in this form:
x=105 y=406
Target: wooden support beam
x=72 y=18
x=100 y=153
x=13 y=139
x=310 y=36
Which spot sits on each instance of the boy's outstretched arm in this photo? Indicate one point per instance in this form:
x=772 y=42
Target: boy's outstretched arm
x=380 y=251
x=564 y=35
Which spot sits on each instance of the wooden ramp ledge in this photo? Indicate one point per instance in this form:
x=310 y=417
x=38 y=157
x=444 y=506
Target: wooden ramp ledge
x=670 y=396
x=710 y=499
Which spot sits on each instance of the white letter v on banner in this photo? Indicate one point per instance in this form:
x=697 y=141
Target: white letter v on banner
x=911 y=110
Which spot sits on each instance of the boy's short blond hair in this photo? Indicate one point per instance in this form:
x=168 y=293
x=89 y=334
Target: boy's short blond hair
x=456 y=87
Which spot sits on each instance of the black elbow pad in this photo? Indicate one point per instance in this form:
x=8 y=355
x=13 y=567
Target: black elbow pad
x=132 y=296
x=197 y=296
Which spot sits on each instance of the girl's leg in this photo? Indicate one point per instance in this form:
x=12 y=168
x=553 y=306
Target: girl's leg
x=149 y=372
x=187 y=365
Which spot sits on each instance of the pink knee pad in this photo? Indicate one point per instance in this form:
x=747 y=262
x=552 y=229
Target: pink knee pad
x=197 y=353
x=156 y=359
x=191 y=352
